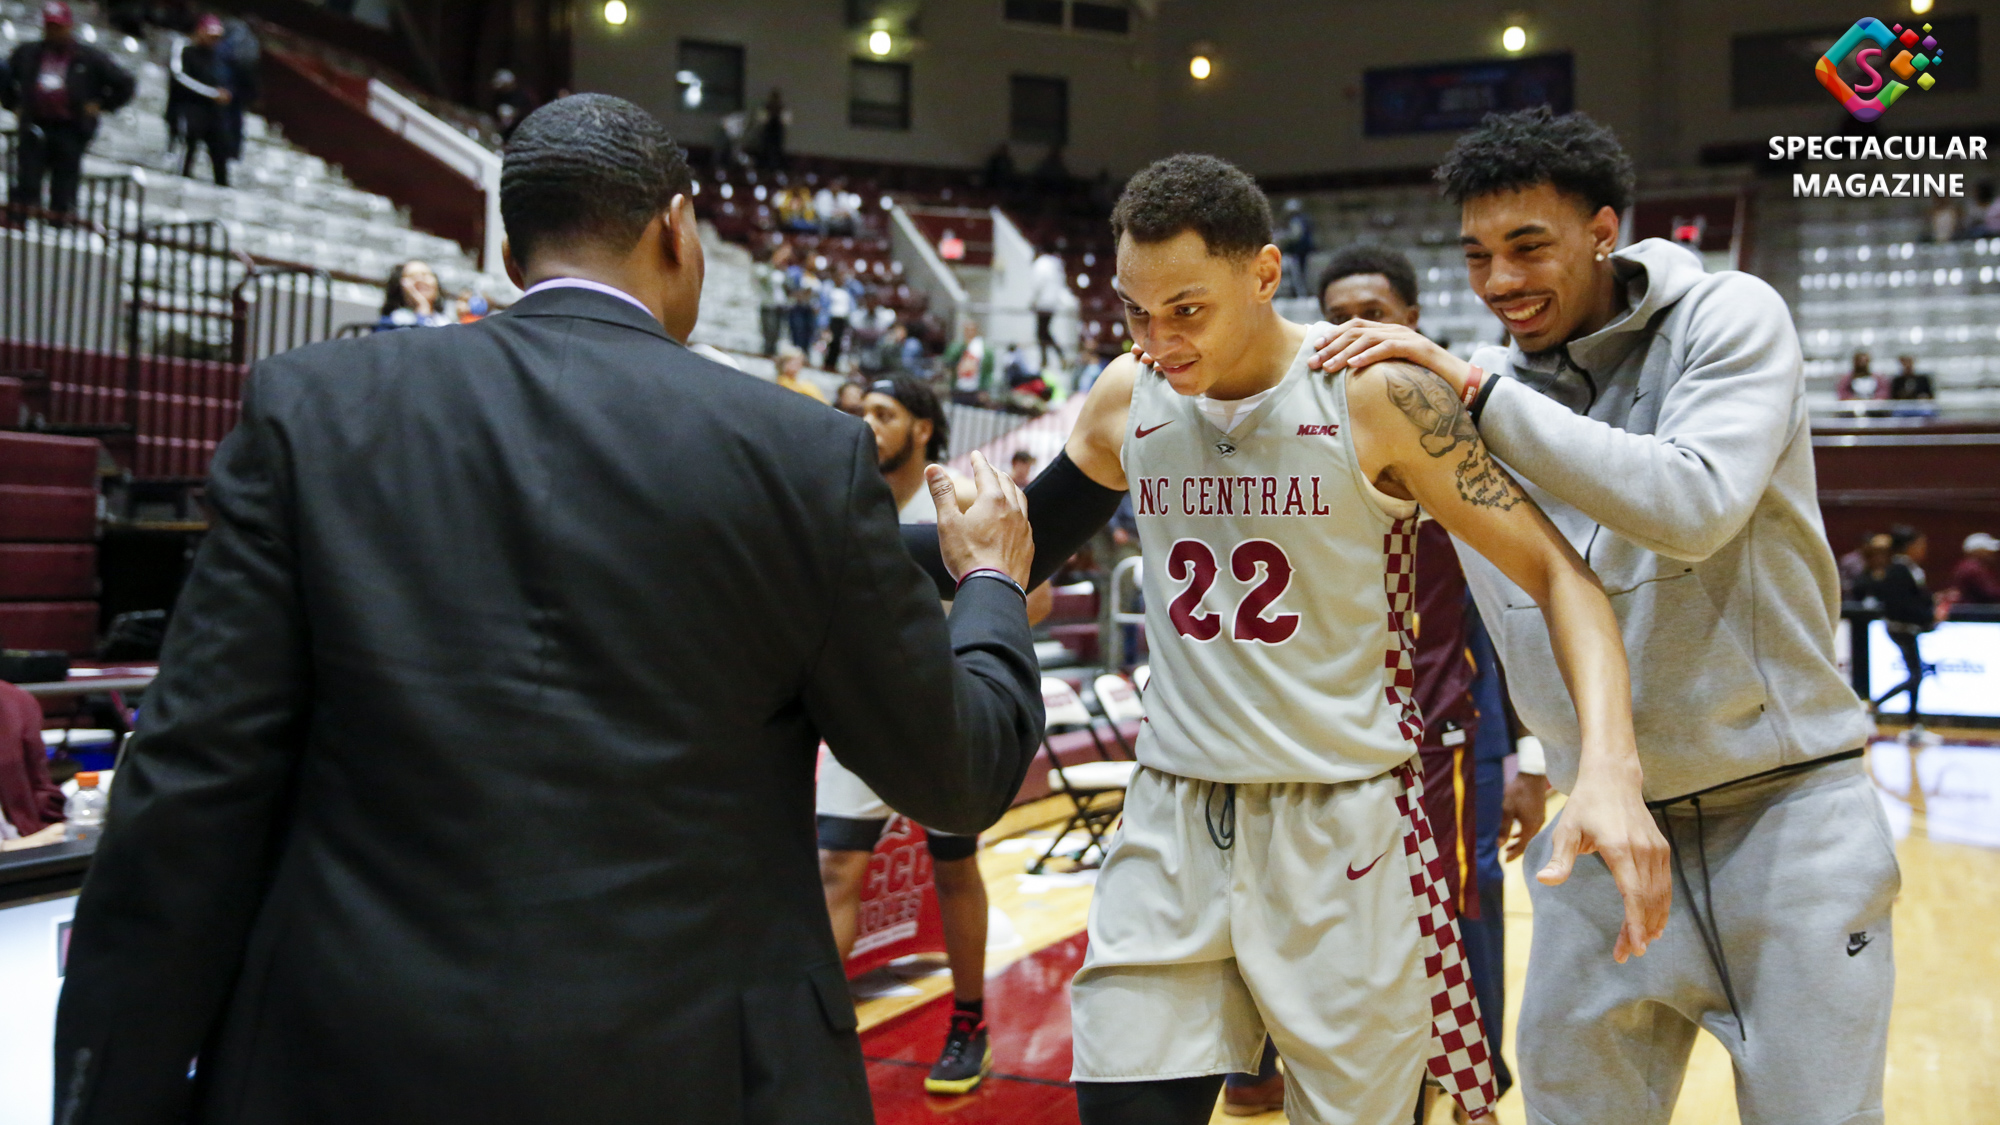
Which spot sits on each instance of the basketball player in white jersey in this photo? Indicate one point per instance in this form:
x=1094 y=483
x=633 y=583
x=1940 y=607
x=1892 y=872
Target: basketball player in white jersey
x=911 y=433
x=1273 y=870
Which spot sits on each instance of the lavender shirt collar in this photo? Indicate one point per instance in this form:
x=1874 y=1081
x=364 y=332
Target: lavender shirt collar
x=593 y=286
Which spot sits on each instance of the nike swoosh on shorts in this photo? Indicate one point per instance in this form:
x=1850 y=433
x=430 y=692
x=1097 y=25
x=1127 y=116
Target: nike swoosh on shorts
x=1353 y=874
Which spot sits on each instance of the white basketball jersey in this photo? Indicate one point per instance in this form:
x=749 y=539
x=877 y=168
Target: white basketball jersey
x=1279 y=588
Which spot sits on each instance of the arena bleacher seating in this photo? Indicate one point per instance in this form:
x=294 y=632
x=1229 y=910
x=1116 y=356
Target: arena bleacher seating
x=285 y=204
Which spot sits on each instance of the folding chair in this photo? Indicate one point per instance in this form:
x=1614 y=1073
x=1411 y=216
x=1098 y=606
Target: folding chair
x=1141 y=676
x=1084 y=783
x=1118 y=702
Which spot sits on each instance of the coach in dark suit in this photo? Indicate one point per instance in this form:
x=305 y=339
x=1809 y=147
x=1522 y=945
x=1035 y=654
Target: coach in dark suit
x=477 y=785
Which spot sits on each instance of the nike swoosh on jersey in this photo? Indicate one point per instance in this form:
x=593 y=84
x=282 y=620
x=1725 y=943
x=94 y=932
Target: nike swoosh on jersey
x=1353 y=874
x=1143 y=431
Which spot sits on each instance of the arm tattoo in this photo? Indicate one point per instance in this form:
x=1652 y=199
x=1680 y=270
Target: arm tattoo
x=1443 y=425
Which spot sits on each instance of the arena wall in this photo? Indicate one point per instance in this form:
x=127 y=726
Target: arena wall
x=1285 y=95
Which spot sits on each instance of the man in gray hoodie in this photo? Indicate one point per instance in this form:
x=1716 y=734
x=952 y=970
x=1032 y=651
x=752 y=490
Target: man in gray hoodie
x=1656 y=413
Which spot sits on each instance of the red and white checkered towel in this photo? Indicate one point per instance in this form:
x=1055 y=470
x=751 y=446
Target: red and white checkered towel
x=1459 y=1058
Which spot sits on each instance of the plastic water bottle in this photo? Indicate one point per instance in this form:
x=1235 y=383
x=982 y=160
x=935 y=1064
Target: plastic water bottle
x=85 y=809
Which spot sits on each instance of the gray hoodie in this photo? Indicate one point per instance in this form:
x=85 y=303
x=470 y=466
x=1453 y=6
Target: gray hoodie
x=1673 y=448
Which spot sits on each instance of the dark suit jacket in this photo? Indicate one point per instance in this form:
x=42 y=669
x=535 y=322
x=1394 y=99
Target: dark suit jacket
x=477 y=784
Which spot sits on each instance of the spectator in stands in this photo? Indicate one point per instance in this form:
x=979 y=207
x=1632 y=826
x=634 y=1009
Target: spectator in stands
x=789 y=366
x=1048 y=281
x=839 y=209
x=1022 y=467
x=970 y=364
x=1000 y=169
x=510 y=102
x=795 y=210
x=851 y=398
x=1854 y=564
x=1911 y=383
x=839 y=306
x=1947 y=216
x=803 y=315
x=1052 y=174
x=877 y=344
x=773 y=294
x=1861 y=382
x=240 y=54
x=1976 y=578
x=772 y=121
x=60 y=89
x=198 y=99
x=412 y=299
x=127 y=16
x=1986 y=216
x=1894 y=587
x=1295 y=240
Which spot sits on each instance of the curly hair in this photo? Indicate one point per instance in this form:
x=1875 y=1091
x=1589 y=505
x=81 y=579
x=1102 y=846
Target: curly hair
x=1391 y=264
x=1204 y=194
x=1513 y=151
x=589 y=166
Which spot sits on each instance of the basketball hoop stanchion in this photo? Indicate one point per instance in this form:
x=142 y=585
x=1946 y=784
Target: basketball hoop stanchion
x=899 y=911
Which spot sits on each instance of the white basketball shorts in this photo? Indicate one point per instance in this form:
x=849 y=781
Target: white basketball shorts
x=1320 y=923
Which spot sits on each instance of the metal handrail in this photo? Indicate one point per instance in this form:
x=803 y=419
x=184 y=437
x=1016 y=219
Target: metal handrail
x=1112 y=631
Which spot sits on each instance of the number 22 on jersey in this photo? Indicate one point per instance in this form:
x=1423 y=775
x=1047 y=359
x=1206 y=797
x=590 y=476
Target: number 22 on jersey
x=1193 y=561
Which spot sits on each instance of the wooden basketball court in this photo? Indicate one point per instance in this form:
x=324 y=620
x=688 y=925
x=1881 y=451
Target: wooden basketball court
x=1944 y=1034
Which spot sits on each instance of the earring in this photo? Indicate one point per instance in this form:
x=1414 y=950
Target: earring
x=1600 y=257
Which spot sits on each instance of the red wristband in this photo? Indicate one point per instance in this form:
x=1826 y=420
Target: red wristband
x=1473 y=379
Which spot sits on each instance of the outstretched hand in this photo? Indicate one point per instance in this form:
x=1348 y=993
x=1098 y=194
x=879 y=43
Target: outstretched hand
x=993 y=532
x=1613 y=821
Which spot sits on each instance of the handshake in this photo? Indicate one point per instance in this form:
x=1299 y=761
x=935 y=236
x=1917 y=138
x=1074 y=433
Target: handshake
x=988 y=532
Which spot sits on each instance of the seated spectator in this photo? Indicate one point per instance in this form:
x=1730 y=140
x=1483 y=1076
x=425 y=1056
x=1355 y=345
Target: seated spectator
x=1986 y=214
x=789 y=366
x=412 y=299
x=31 y=806
x=839 y=209
x=1976 y=578
x=1000 y=168
x=472 y=306
x=1861 y=382
x=1022 y=467
x=849 y=398
x=795 y=210
x=1945 y=219
x=1911 y=383
x=970 y=365
x=510 y=102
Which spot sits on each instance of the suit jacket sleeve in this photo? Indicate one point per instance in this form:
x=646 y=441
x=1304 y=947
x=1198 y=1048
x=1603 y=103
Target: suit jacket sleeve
x=941 y=722
x=198 y=809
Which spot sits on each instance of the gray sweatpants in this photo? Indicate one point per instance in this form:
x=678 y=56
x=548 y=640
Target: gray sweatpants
x=1801 y=873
